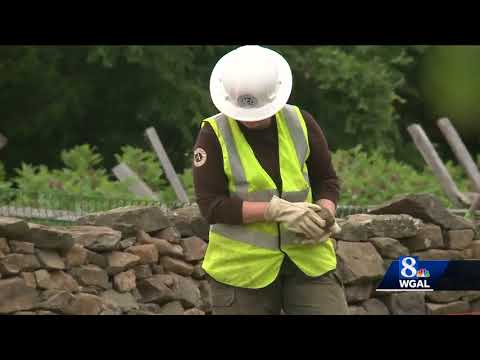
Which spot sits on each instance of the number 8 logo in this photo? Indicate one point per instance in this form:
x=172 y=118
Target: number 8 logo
x=408 y=267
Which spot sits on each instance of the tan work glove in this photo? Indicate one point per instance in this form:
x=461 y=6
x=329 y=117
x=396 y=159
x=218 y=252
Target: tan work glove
x=300 y=218
x=331 y=227
x=331 y=222
x=326 y=215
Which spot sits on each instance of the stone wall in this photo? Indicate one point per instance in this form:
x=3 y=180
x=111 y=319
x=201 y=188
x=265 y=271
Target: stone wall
x=127 y=261
x=368 y=244
x=146 y=260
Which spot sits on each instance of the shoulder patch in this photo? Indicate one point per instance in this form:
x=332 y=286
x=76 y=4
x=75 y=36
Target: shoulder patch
x=199 y=157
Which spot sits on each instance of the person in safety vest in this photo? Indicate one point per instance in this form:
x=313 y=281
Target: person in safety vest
x=264 y=181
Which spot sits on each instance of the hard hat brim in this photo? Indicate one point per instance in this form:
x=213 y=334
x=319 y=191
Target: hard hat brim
x=253 y=114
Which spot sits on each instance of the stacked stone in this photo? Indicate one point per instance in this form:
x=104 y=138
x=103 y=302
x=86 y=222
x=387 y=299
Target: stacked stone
x=147 y=261
x=416 y=225
x=132 y=260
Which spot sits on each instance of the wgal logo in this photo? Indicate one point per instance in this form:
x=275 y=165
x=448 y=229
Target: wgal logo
x=412 y=277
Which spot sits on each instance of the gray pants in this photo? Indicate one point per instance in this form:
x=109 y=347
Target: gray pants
x=292 y=292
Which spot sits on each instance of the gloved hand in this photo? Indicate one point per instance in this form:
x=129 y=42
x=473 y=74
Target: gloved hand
x=331 y=222
x=300 y=218
x=331 y=228
x=334 y=229
x=326 y=215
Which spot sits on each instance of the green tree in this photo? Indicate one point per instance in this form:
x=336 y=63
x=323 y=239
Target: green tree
x=57 y=97
x=353 y=91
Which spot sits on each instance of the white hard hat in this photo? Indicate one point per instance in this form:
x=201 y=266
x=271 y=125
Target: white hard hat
x=251 y=83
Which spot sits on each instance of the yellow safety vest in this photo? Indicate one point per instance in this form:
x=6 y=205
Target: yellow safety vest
x=250 y=256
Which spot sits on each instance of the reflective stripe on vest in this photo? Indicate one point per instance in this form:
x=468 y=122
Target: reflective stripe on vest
x=252 y=237
x=297 y=134
x=266 y=195
x=241 y=184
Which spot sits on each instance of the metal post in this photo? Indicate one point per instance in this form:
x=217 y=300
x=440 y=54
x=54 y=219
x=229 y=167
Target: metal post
x=138 y=187
x=172 y=176
x=431 y=157
x=460 y=151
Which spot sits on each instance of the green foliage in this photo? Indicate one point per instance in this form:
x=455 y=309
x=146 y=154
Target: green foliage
x=450 y=82
x=82 y=159
x=56 y=97
x=83 y=175
x=32 y=178
x=369 y=178
x=4 y=184
x=3 y=176
x=352 y=91
x=145 y=164
x=186 y=178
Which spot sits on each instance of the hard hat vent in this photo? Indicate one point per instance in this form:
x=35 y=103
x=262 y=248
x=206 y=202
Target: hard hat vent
x=247 y=101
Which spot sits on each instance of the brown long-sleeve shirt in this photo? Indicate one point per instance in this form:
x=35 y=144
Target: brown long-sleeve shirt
x=210 y=181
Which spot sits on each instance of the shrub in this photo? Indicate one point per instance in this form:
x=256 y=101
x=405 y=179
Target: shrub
x=369 y=178
x=83 y=176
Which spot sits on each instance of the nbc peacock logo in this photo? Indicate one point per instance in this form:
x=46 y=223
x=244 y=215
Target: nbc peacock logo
x=423 y=273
